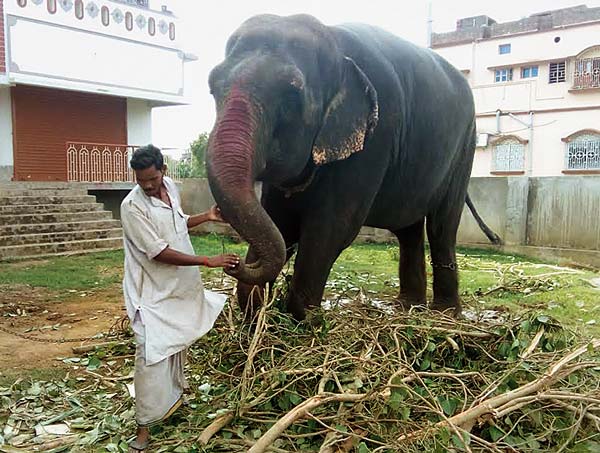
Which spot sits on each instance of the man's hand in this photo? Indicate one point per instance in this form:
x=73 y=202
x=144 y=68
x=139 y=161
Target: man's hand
x=214 y=214
x=227 y=261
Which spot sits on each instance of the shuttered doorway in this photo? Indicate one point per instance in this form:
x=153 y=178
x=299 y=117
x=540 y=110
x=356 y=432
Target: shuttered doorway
x=44 y=119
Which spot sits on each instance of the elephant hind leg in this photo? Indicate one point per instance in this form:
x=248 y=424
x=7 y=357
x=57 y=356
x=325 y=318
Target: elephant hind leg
x=411 y=268
x=442 y=228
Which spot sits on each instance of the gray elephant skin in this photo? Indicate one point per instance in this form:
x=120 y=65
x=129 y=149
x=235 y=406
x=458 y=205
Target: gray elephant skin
x=344 y=126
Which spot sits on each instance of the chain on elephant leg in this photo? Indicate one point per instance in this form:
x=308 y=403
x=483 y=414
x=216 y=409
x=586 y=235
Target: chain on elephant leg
x=445 y=289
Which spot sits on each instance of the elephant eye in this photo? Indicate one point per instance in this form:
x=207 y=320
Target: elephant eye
x=291 y=104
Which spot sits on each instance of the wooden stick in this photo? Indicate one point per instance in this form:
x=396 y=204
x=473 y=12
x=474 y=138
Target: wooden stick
x=299 y=412
x=217 y=425
x=93 y=347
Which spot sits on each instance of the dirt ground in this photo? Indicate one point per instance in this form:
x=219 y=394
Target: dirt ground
x=52 y=315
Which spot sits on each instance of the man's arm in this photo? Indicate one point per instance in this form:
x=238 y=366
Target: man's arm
x=170 y=256
x=212 y=215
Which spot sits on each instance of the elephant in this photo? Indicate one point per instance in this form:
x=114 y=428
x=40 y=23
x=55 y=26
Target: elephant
x=344 y=126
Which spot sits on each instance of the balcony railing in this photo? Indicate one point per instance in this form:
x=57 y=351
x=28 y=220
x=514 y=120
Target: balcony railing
x=109 y=163
x=586 y=74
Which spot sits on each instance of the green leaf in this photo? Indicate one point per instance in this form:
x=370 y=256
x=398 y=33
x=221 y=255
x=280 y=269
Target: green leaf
x=94 y=363
x=295 y=399
x=395 y=400
x=405 y=412
x=362 y=448
x=462 y=443
x=448 y=405
x=495 y=433
x=425 y=364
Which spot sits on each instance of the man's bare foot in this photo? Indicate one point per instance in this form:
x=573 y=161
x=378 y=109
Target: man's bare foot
x=140 y=443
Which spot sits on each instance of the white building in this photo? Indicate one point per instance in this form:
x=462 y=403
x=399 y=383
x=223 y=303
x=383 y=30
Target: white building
x=536 y=83
x=78 y=81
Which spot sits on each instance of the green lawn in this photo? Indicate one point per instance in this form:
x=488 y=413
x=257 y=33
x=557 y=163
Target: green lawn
x=488 y=279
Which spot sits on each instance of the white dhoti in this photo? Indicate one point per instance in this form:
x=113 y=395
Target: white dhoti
x=158 y=387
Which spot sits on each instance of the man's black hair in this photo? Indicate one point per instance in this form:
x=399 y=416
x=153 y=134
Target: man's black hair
x=145 y=157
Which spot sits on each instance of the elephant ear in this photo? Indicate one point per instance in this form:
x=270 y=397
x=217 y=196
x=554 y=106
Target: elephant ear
x=351 y=116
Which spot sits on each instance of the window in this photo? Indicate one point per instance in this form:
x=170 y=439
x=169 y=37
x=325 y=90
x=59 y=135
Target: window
x=151 y=26
x=529 y=72
x=583 y=152
x=587 y=73
x=557 y=72
x=503 y=49
x=51 y=5
x=503 y=75
x=105 y=14
x=509 y=155
x=172 y=31
x=128 y=21
x=79 y=10
x=22 y=3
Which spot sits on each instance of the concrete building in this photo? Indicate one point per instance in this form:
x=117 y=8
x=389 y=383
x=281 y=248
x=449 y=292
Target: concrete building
x=78 y=81
x=536 y=83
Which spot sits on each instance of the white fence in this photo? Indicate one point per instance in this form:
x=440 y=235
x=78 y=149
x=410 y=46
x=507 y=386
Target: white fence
x=108 y=163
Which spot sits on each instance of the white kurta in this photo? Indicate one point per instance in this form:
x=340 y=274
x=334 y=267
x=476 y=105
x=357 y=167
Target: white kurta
x=169 y=300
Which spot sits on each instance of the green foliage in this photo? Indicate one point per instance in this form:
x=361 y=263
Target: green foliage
x=197 y=167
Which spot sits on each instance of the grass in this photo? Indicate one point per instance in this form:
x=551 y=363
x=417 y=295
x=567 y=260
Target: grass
x=371 y=268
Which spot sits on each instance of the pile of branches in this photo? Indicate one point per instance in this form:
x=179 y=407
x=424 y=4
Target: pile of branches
x=360 y=377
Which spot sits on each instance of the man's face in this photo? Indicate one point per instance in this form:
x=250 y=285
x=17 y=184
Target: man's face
x=150 y=179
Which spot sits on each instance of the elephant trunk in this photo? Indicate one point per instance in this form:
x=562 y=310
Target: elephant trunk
x=231 y=164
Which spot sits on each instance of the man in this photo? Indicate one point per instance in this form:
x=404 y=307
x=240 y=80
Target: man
x=163 y=292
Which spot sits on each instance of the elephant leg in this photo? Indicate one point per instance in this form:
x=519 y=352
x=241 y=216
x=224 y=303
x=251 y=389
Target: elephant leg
x=442 y=227
x=413 y=279
x=318 y=249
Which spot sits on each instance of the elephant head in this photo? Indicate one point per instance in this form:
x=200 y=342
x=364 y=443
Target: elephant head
x=288 y=99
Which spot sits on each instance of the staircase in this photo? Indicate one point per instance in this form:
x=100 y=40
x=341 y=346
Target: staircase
x=49 y=219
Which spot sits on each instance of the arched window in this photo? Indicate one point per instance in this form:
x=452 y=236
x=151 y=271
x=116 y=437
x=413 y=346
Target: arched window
x=79 y=9
x=129 y=21
x=172 y=31
x=583 y=150
x=22 y=3
x=105 y=14
x=151 y=26
x=508 y=154
x=51 y=4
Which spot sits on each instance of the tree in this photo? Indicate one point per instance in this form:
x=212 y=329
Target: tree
x=198 y=149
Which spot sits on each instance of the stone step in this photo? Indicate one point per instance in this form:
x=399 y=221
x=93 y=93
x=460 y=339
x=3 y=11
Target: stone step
x=62 y=236
x=54 y=255
x=46 y=199
x=38 y=228
x=52 y=248
x=70 y=191
x=54 y=217
x=39 y=185
x=49 y=208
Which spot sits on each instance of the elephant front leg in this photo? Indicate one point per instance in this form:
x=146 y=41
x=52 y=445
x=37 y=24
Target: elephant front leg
x=318 y=249
x=413 y=279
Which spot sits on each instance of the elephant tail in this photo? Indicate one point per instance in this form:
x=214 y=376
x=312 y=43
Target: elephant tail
x=493 y=237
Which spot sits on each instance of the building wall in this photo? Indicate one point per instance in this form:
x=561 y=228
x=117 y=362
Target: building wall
x=2 y=43
x=6 y=136
x=545 y=147
x=87 y=55
x=139 y=122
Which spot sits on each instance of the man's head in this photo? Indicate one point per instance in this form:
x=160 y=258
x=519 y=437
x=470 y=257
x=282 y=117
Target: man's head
x=148 y=164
